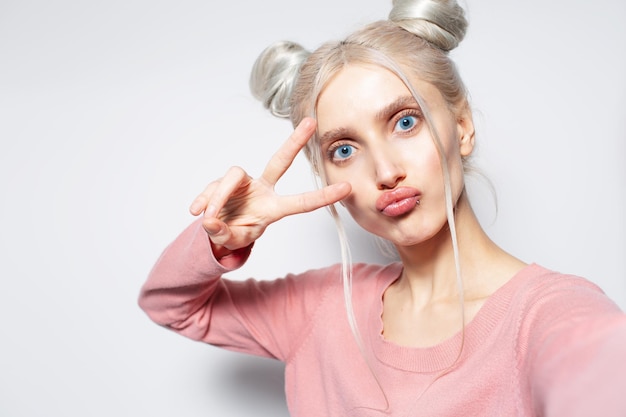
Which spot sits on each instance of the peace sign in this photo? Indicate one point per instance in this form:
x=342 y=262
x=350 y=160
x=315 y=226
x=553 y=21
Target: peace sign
x=238 y=208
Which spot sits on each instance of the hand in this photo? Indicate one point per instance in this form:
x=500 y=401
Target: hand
x=237 y=208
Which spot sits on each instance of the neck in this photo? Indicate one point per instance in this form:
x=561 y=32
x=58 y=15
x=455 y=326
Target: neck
x=429 y=268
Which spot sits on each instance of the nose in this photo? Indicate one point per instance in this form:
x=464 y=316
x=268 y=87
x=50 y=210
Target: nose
x=389 y=170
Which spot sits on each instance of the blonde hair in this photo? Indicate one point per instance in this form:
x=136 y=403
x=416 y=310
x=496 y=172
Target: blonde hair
x=414 y=42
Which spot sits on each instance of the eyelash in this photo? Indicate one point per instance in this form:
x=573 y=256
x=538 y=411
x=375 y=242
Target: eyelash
x=407 y=113
x=330 y=152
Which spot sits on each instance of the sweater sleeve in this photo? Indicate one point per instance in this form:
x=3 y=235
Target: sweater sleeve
x=186 y=292
x=577 y=351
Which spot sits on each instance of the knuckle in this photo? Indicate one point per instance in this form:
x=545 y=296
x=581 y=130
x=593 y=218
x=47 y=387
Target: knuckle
x=237 y=171
x=305 y=202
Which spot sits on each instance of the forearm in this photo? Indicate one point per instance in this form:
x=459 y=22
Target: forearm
x=185 y=277
x=584 y=374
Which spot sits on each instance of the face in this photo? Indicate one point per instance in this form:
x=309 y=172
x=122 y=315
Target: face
x=374 y=136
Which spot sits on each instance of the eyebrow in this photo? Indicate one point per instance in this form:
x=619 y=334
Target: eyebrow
x=383 y=114
x=395 y=106
x=334 y=134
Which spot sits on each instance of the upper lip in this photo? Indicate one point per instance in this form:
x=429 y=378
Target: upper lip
x=395 y=195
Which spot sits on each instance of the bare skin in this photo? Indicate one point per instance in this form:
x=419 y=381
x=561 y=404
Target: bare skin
x=378 y=140
x=422 y=309
x=238 y=208
x=361 y=113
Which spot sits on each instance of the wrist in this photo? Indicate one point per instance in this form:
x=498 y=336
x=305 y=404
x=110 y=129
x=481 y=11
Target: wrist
x=231 y=258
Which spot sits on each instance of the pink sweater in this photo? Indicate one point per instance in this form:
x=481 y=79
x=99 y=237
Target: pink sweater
x=545 y=344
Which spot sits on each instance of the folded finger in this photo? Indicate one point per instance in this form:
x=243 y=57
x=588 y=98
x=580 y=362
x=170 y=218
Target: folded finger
x=200 y=203
x=224 y=189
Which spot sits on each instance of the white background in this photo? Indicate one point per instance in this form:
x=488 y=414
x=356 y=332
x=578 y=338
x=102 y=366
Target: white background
x=115 y=114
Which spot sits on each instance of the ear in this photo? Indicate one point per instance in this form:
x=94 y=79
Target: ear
x=466 y=131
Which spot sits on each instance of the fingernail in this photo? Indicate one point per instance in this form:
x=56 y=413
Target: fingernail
x=212 y=230
x=194 y=207
x=307 y=123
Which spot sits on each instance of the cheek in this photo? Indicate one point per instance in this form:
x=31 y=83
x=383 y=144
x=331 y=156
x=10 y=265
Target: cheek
x=356 y=202
x=456 y=171
x=348 y=172
x=455 y=163
x=423 y=165
x=332 y=177
x=364 y=217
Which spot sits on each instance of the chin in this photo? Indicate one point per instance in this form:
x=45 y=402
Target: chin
x=404 y=231
x=416 y=237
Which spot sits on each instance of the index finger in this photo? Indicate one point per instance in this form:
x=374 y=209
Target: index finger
x=282 y=159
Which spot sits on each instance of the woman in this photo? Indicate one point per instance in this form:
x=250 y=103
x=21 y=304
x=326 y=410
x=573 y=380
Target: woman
x=458 y=326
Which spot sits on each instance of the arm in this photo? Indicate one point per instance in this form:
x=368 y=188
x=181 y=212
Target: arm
x=578 y=353
x=583 y=373
x=184 y=279
x=185 y=290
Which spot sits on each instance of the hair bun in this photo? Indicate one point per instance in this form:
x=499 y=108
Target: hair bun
x=274 y=74
x=440 y=22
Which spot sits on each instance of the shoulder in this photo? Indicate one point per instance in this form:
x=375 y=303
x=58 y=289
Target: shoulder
x=550 y=303
x=320 y=282
x=374 y=277
x=363 y=276
x=537 y=284
x=364 y=273
x=572 y=341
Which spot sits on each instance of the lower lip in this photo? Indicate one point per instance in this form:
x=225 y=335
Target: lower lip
x=400 y=207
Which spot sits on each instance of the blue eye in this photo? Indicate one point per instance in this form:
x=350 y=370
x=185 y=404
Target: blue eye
x=406 y=123
x=343 y=152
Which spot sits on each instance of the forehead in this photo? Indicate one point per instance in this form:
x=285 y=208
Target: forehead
x=359 y=79
x=359 y=91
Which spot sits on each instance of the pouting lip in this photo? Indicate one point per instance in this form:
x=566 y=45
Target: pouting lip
x=395 y=195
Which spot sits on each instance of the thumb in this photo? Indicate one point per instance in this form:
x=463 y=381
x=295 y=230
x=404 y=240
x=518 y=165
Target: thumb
x=218 y=231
